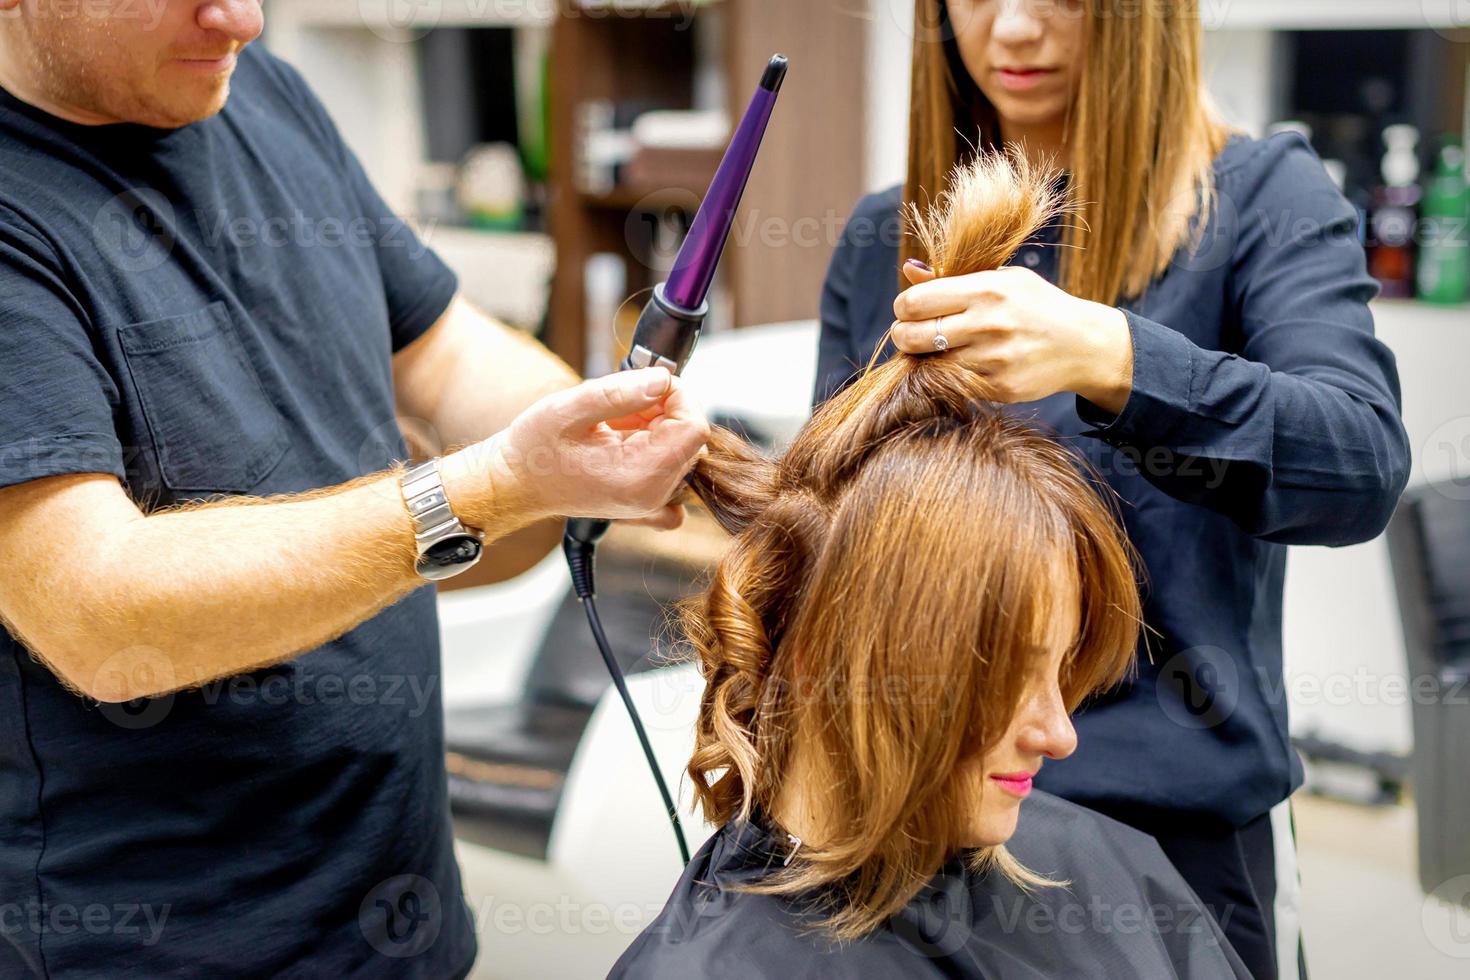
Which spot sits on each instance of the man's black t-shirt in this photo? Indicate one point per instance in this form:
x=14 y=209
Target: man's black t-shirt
x=199 y=311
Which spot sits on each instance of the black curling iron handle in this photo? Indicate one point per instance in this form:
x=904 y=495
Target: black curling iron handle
x=665 y=337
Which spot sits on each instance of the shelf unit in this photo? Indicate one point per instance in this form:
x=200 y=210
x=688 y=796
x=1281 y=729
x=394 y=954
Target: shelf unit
x=808 y=169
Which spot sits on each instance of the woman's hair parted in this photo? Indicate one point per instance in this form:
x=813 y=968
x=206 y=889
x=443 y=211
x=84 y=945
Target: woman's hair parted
x=1143 y=135
x=892 y=577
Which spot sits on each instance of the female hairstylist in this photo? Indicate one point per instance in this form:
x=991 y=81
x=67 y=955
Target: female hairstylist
x=1206 y=342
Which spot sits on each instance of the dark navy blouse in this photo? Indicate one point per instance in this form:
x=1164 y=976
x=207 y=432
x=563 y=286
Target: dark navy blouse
x=1264 y=412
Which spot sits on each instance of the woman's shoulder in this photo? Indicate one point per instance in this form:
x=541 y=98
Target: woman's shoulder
x=1280 y=165
x=1116 y=883
x=876 y=221
x=879 y=204
x=711 y=927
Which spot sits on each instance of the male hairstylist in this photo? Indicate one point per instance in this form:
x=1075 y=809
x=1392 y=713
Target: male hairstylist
x=201 y=298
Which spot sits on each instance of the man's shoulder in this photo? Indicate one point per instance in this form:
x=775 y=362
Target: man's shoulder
x=258 y=66
x=261 y=72
x=264 y=84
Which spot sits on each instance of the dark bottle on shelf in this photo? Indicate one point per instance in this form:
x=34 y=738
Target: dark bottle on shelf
x=1391 y=252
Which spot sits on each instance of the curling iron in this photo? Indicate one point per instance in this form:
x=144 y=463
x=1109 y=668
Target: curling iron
x=667 y=331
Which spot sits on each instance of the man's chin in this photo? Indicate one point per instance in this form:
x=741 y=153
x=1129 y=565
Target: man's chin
x=185 y=110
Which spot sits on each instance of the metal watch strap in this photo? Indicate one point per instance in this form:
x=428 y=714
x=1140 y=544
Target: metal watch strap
x=423 y=492
x=435 y=524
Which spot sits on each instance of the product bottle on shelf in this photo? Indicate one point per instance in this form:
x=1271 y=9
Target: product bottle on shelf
x=1391 y=257
x=1444 y=249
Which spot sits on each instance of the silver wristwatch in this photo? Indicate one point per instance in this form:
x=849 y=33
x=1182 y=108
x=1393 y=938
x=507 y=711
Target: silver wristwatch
x=446 y=547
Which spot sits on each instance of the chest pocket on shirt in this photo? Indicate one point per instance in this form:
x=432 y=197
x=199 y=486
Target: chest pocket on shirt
x=213 y=428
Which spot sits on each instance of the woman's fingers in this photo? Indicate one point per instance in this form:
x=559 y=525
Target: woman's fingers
x=917 y=336
x=941 y=297
x=916 y=272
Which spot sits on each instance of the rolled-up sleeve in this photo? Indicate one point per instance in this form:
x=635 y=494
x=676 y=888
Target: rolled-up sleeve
x=1298 y=436
x=56 y=398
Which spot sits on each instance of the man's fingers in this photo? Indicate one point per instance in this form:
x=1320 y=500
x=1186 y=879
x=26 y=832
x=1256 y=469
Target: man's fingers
x=683 y=426
x=667 y=518
x=636 y=421
x=613 y=397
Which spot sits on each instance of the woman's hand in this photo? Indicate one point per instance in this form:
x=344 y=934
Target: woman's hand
x=1028 y=338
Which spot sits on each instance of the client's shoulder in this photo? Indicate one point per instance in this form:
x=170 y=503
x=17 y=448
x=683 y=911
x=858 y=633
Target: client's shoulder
x=713 y=928
x=1057 y=837
x=1113 y=893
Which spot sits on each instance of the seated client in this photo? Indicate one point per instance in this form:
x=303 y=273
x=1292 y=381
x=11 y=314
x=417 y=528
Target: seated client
x=919 y=593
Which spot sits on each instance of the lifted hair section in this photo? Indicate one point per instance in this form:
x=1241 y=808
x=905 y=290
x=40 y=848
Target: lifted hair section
x=987 y=211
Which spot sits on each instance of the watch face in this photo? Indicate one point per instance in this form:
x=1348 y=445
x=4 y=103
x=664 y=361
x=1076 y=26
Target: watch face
x=449 y=556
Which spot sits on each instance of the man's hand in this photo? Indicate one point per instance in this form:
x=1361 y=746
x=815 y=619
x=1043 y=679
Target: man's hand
x=440 y=379
x=616 y=447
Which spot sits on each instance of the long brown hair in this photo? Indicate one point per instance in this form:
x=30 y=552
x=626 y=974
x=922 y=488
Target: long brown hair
x=878 y=614
x=1143 y=135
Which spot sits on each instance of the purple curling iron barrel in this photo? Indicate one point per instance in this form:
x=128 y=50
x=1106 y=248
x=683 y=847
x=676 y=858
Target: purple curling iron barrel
x=669 y=326
x=665 y=337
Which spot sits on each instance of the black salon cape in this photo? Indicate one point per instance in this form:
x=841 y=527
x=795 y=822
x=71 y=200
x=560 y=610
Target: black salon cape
x=1126 y=913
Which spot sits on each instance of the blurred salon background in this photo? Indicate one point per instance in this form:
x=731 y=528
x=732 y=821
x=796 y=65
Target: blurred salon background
x=553 y=152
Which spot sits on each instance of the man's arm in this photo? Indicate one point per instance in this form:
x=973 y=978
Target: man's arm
x=121 y=605
x=469 y=375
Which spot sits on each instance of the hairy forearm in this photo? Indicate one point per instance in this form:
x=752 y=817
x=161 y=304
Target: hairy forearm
x=471 y=375
x=189 y=595
x=482 y=394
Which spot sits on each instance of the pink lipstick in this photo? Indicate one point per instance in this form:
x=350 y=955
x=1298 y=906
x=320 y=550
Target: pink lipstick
x=1018 y=784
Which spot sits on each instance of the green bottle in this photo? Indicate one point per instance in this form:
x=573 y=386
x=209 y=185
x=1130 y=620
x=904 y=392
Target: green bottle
x=1444 y=252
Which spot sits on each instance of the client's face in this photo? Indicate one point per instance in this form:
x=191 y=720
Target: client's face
x=1041 y=729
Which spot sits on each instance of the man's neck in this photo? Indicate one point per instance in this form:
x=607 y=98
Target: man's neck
x=16 y=80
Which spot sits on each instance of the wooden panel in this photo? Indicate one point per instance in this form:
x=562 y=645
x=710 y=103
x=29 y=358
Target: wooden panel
x=808 y=178
x=623 y=57
x=810 y=173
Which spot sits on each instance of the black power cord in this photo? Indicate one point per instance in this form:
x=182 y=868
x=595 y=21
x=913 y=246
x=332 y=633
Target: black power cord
x=581 y=556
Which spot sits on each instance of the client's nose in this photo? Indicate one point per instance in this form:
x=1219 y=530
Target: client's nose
x=1047 y=728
